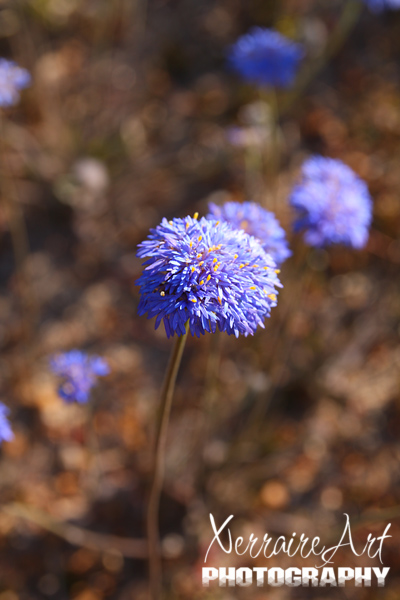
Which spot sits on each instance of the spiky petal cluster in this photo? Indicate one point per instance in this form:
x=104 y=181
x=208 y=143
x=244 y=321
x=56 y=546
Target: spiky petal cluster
x=333 y=204
x=79 y=373
x=208 y=274
x=256 y=221
x=6 y=433
x=380 y=5
x=12 y=80
x=266 y=58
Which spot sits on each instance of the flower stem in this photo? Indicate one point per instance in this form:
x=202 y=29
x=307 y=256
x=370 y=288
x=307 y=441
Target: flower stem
x=271 y=152
x=153 y=534
x=347 y=21
x=274 y=158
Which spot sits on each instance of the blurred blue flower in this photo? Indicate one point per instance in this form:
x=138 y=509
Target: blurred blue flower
x=266 y=57
x=79 y=372
x=380 y=5
x=255 y=221
x=333 y=204
x=207 y=273
x=6 y=433
x=12 y=80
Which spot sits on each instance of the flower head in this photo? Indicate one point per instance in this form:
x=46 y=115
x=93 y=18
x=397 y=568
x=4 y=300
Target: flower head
x=6 y=433
x=333 y=204
x=12 y=80
x=380 y=5
x=79 y=373
x=255 y=221
x=208 y=274
x=266 y=57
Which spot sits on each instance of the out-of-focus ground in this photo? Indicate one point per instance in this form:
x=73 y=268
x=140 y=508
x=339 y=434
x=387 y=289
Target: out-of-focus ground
x=125 y=123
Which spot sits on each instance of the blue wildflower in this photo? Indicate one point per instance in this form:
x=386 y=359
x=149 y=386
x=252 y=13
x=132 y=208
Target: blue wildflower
x=380 y=5
x=255 y=221
x=333 y=204
x=266 y=57
x=12 y=80
x=6 y=433
x=79 y=372
x=207 y=273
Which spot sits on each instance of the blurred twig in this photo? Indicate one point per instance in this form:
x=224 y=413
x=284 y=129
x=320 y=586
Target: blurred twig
x=137 y=548
x=13 y=211
x=128 y=547
x=18 y=231
x=28 y=45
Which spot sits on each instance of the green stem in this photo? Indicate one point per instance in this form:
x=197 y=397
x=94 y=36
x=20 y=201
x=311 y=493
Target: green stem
x=270 y=153
x=153 y=534
x=274 y=157
x=253 y=168
x=347 y=21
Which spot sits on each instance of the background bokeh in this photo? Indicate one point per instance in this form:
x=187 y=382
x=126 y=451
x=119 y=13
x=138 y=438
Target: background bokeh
x=128 y=120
